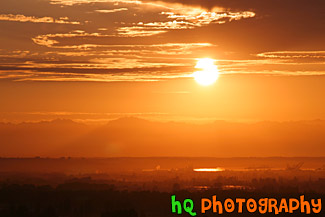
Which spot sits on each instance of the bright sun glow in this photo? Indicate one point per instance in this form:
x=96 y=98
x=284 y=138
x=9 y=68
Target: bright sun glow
x=209 y=73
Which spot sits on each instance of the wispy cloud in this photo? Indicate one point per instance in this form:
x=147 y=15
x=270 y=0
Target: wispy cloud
x=174 y=15
x=33 y=19
x=116 y=2
x=293 y=54
x=111 y=10
x=188 y=18
x=125 y=77
x=48 y=41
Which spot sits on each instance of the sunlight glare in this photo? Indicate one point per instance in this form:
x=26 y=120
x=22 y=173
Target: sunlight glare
x=209 y=72
x=218 y=169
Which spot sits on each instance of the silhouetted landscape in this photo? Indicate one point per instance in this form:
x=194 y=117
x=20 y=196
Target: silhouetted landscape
x=73 y=169
x=133 y=187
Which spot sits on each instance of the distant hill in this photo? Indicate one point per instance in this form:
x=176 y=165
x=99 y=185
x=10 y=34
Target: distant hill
x=134 y=137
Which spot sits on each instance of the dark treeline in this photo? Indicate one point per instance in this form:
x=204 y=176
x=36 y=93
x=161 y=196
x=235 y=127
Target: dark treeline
x=82 y=199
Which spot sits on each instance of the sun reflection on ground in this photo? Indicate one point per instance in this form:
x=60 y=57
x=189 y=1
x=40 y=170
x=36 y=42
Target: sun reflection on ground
x=218 y=169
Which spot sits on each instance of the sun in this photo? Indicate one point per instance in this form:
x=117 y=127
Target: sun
x=208 y=74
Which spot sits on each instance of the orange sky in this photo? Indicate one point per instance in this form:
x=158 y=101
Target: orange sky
x=232 y=97
x=96 y=60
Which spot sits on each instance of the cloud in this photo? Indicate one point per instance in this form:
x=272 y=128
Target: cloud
x=174 y=16
x=23 y=18
x=293 y=54
x=148 y=40
x=53 y=41
x=48 y=41
x=77 y=2
x=181 y=19
x=97 y=69
x=112 y=10
x=108 y=77
x=100 y=62
x=135 y=31
x=161 y=4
